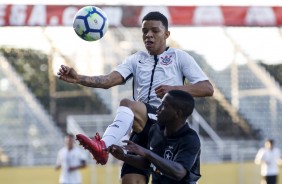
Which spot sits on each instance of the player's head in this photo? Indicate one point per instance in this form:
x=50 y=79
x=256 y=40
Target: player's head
x=158 y=17
x=155 y=32
x=176 y=105
x=69 y=140
x=269 y=143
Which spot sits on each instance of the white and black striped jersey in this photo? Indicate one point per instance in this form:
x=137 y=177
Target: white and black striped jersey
x=149 y=71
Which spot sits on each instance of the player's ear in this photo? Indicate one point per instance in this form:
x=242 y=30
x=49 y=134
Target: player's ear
x=167 y=34
x=179 y=113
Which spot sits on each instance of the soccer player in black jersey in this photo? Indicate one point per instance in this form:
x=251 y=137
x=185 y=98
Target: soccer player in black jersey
x=173 y=151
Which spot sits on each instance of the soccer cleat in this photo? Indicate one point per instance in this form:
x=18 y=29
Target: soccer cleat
x=96 y=146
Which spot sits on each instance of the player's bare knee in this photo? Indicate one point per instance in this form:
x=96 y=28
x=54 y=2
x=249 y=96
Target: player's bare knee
x=139 y=113
x=126 y=102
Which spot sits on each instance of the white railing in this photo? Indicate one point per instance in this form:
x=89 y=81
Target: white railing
x=34 y=125
x=29 y=98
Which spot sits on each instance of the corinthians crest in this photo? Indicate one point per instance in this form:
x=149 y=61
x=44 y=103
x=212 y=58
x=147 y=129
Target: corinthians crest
x=166 y=60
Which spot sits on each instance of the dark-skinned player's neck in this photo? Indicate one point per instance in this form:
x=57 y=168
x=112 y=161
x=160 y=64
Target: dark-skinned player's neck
x=159 y=53
x=175 y=127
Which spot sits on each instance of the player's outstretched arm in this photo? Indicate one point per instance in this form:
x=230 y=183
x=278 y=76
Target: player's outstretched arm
x=68 y=74
x=170 y=168
x=199 y=89
x=81 y=166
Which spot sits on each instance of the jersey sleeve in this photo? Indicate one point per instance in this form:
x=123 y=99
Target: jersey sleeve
x=189 y=157
x=190 y=69
x=259 y=156
x=126 y=69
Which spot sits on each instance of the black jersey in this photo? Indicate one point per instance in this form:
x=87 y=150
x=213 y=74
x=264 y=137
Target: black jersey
x=183 y=147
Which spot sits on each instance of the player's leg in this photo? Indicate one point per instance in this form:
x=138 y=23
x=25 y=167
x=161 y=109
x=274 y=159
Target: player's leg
x=130 y=174
x=134 y=179
x=271 y=179
x=130 y=114
x=127 y=112
x=263 y=180
x=139 y=110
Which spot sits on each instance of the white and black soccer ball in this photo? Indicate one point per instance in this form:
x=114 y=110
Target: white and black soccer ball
x=90 y=23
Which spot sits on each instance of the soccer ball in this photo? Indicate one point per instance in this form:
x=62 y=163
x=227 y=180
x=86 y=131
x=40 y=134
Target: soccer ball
x=90 y=23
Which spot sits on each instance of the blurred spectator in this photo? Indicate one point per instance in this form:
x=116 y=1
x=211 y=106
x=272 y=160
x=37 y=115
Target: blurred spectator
x=4 y=159
x=70 y=159
x=269 y=158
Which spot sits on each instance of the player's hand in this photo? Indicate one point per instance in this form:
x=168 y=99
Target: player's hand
x=162 y=90
x=72 y=169
x=116 y=151
x=68 y=74
x=135 y=148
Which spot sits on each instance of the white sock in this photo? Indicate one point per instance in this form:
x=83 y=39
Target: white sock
x=120 y=127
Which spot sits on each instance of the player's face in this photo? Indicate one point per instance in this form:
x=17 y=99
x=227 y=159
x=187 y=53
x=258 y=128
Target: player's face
x=69 y=142
x=267 y=144
x=154 y=36
x=166 y=113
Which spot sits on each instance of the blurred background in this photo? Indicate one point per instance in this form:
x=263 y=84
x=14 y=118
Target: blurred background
x=237 y=43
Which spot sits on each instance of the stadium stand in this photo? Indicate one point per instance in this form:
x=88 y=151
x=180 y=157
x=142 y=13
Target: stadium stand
x=28 y=134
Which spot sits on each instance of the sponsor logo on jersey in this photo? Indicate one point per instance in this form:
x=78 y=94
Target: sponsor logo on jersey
x=166 y=60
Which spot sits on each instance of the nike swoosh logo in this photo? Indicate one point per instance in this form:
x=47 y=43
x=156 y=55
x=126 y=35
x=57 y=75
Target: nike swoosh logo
x=114 y=125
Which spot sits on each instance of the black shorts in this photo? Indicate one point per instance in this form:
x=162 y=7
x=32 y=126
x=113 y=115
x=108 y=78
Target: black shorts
x=142 y=140
x=271 y=179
